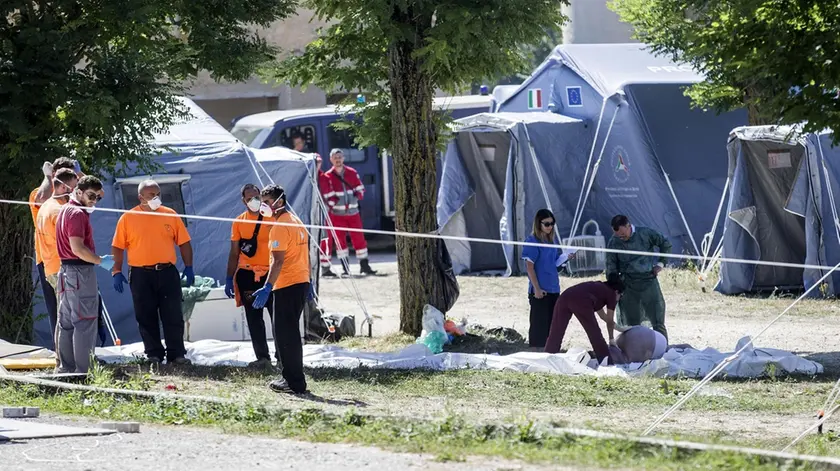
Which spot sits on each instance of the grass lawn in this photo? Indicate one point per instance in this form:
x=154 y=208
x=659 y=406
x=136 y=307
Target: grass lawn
x=511 y=414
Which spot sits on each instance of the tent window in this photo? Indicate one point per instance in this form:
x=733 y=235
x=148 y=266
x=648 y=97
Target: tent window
x=170 y=195
x=283 y=137
x=343 y=139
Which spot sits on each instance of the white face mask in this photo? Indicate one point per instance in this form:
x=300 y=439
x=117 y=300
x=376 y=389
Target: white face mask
x=268 y=211
x=254 y=204
x=154 y=203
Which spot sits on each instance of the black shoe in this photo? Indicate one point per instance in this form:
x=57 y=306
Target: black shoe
x=154 y=360
x=346 y=268
x=180 y=361
x=366 y=269
x=326 y=272
x=281 y=386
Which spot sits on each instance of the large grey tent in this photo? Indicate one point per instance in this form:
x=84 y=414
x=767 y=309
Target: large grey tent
x=203 y=168
x=498 y=171
x=782 y=208
x=654 y=157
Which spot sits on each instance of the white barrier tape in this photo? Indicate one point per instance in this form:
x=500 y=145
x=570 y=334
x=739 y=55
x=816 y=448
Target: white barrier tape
x=465 y=239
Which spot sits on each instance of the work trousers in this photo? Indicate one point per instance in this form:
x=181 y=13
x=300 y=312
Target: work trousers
x=50 y=300
x=542 y=311
x=288 y=308
x=78 y=314
x=642 y=299
x=247 y=284
x=563 y=313
x=157 y=301
x=340 y=223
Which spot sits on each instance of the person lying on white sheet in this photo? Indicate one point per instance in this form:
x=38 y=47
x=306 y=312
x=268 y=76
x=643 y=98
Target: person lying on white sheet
x=637 y=344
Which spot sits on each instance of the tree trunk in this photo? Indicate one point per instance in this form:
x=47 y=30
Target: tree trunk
x=754 y=116
x=16 y=289
x=413 y=142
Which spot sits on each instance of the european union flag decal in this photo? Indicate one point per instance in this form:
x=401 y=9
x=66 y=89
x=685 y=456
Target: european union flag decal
x=574 y=96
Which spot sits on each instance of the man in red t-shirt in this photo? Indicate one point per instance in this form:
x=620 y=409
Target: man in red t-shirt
x=582 y=301
x=78 y=293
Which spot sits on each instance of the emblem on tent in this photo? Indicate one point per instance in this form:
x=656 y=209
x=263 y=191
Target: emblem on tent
x=535 y=99
x=574 y=96
x=621 y=164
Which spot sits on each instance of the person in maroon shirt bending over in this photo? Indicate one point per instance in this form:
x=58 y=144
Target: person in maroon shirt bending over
x=583 y=301
x=78 y=295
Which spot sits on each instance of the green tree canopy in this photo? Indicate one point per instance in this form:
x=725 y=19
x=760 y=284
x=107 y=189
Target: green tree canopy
x=776 y=58
x=400 y=52
x=98 y=78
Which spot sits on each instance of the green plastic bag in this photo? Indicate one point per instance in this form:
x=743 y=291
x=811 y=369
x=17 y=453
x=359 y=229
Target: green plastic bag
x=193 y=294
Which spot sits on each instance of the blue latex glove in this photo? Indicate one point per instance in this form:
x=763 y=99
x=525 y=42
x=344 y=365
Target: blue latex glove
x=107 y=262
x=189 y=275
x=261 y=296
x=119 y=279
x=77 y=167
x=229 y=287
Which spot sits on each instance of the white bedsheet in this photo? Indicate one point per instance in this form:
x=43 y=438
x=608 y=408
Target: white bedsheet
x=676 y=362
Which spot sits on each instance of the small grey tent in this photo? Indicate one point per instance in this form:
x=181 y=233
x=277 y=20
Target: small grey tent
x=782 y=208
x=498 y=171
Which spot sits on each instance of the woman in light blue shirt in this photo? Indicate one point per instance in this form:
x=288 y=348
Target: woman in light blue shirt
x=543 y=280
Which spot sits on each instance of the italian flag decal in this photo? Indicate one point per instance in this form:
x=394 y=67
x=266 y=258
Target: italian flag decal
x=535 y=99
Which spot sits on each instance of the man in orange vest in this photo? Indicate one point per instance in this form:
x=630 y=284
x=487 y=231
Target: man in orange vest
x=148 y=233
x=36 y=199
x=288 y=286
x=247 y=269
x=45 y=229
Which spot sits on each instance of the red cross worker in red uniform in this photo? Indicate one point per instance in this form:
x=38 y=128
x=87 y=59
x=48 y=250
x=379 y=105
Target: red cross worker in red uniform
x=342 y=190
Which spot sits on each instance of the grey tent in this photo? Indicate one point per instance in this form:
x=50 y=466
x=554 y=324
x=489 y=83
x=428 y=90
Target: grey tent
x=498 y=171
x=654 y=158
x=782 y=208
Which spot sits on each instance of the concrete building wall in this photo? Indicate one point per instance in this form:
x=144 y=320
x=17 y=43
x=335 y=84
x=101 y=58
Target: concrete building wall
x=225 y=101
x=592 y=22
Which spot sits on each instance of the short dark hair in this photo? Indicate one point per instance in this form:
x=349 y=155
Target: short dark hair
x=63 y=162
x=615 y=283
x=89 y=182
x=64 y=175
x=297 y=135
x=274 y=191
x=618 y=221
x=249 y=186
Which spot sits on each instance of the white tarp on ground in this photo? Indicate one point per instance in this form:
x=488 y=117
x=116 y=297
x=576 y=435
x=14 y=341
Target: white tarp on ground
x=17 y=351
x=686 y=362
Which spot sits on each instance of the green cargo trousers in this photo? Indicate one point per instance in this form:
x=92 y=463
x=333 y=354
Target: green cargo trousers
x=642 y=299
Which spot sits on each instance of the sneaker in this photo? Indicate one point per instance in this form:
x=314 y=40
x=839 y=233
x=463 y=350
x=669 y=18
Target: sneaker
x=326 y=272
x=281 y=386
x=180 y=361
x=262 y=363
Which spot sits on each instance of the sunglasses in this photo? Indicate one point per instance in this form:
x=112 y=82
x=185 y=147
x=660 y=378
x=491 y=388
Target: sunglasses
x=547 y=224
x=93 y=196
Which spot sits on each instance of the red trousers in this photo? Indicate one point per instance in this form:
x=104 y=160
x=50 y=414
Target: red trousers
x=339 y=223
x=588 y=320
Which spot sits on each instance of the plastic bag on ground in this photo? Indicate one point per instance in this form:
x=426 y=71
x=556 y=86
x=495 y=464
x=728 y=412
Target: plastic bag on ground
x=434 y=334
